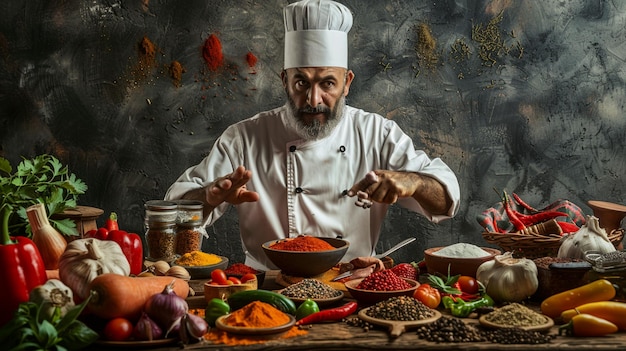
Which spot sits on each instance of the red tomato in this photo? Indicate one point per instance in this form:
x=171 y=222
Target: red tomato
x=219 y=277
x=235 y=280
x=247 y=276
x=428 y=295
x=468 y=284
x=118 y=329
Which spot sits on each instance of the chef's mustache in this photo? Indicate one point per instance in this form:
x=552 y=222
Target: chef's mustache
x=316 y=109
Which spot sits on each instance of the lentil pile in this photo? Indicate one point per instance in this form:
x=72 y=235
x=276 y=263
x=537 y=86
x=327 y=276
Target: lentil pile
x=400 y=308
x=516 y=315
x=310 y=289
x=385 y=280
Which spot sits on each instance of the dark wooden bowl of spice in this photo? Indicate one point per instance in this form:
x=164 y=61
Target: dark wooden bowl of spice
x=556 y=275
x=305 y=256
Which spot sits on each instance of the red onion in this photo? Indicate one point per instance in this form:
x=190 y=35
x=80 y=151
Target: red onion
x=166 y=308
x=192 y=328
x=147 y=329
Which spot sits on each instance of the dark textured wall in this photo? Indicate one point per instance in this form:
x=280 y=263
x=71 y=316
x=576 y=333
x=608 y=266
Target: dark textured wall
x=523 y=95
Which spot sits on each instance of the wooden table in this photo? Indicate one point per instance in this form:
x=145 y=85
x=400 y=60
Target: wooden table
x=341 y=336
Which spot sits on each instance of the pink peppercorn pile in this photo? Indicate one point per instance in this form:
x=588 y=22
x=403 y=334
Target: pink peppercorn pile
x=385 y=280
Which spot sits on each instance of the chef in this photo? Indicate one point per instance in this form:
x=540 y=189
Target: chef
x=316 y=166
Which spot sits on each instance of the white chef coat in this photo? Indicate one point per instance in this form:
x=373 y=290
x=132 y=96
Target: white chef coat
x=300 y=182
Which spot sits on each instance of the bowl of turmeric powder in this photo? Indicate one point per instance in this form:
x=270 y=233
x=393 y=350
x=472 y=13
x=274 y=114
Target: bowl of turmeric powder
x=200 y=264
x=305 y=255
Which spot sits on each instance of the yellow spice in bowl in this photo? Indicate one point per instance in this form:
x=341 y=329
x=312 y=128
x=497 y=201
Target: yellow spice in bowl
x=198 y=258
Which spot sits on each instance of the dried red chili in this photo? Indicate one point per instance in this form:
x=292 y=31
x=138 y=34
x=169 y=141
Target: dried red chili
x=212 y=52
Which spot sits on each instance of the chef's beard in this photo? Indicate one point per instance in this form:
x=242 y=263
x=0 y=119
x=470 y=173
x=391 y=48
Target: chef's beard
x=315 y=129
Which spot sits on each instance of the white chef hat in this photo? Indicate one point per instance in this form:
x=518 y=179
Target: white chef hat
x=316 y=34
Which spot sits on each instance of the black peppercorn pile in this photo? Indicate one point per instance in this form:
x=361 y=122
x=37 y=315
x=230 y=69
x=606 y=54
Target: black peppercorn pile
x=400 y=308
x=447 y=329
x=455 y=330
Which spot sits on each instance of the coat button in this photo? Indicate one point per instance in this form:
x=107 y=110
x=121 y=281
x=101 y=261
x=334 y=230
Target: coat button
x=342 y=148
x=292 y=148
x=299 y=190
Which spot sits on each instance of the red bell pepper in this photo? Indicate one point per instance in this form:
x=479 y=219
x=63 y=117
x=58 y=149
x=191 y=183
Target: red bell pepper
x=22 y=269
x=111 y=222
x=131 y=247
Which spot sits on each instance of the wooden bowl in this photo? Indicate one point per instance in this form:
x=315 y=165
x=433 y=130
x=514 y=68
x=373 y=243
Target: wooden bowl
x=270 y=332
x=370 y=297
x=307 y=263
x=458 y=265
x=224 y=291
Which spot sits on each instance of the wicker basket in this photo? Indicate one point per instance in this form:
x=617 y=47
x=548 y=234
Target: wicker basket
x=535 y=246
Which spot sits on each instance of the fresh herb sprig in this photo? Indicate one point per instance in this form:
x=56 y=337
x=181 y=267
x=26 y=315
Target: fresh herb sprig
x=28 y=331
x=42 y=179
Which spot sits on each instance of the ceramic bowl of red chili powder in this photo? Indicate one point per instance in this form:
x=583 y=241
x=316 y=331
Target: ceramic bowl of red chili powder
x=305 y=256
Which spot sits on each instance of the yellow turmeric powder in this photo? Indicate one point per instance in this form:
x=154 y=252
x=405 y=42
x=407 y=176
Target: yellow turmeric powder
x=198 y=258
x=257 y=314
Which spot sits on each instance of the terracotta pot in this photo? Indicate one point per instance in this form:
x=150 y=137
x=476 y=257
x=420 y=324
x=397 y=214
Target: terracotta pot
x=609 y=214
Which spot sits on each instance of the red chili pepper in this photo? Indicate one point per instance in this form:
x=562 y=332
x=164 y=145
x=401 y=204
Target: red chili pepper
x=524 y=204
x=131 y=247
x=519 y=225
x=568 y=227
x=22 y=270
x=333 y=314
x=111 y=222
x=538 y=217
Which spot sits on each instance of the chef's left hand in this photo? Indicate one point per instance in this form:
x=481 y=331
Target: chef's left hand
x=383 y=186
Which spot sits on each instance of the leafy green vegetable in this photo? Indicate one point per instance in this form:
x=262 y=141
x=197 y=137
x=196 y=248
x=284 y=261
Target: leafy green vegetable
x=42 y=179
x=26 y=331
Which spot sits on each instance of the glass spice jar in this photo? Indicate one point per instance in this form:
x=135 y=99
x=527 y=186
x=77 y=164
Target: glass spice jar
x=189 y=227
x=160 y=221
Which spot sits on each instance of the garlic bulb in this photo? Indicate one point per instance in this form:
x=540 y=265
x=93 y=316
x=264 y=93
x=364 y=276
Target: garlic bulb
x=590 y=237
x=508 y=279
x=85 y=259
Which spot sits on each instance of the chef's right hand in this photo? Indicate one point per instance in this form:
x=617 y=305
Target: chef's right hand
x=231 y=188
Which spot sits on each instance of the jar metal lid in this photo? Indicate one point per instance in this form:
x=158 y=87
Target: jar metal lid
x=161 y=205
x=189 y=204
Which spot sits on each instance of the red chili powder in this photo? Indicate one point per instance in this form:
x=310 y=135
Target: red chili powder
x=251 y=59
x=302 y=243
x=212 y=52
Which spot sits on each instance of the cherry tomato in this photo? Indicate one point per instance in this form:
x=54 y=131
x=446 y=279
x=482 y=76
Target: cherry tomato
x=118 y=329
x=219 y=277
x=235 y=280
x=428 y=295
x=468 y=284
x=247 y=276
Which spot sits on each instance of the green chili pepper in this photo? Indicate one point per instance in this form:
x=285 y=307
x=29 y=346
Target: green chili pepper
x=460 y=308
x=215 y=309
x=307 y=307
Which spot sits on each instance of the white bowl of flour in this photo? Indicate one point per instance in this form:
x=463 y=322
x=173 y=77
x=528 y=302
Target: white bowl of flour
x=460 y=258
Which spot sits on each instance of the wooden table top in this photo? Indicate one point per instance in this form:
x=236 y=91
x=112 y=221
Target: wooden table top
x=341 y=336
